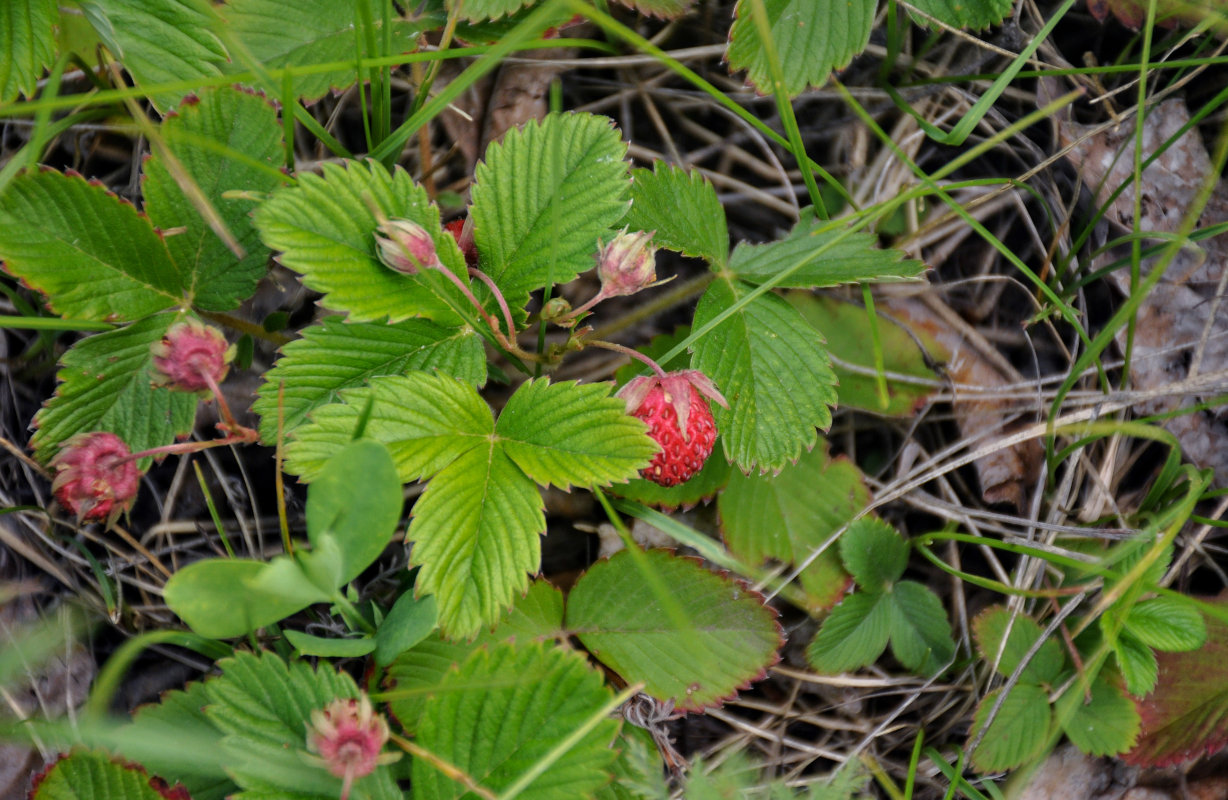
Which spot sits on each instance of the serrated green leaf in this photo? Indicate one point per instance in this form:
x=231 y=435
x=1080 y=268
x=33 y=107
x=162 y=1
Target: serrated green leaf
x=479 y=10
x=696 y=646
x=180 y=713
x=264 y=706
x=92 y=254
x=27 y=38
x=826 y=259
x=336 y=355
x=788 y=516
x=89 y=775
x=569 y=434
x=774 y=369
x=543 y=196
x=504 y=710
x=1167 y=623
x=812 y=37
x=847 y=330
x=216 y=138
x=1105 y=726
x=683 y=209
x=414 y=675
x=106 y=386
x=994 y=624
x=537 y=616
x=637 y=771
x=874 y=553
x=667 y=9
x=323 y=32
x=476 y=536
x=325 y=229
x=964 y=13
x=426 y=420
x=1017 y=733
x=1137 y=663
x=920 y=632
x=160 y=41
x=854 y=635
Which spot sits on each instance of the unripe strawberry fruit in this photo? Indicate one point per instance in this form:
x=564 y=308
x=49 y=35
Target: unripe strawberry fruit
x=96 y=477
x=191 y=357
x=679 y=420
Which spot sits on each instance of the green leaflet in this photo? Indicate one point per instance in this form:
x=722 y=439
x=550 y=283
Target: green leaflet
x=543 y=196
x=92 y=775
x=812 y=37
x=683 y=209
x=221 y=139
x=106 y=386
x=964 y=13
x=27 y=38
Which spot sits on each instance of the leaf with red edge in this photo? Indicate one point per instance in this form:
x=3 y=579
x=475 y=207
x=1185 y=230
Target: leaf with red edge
x=1186 y=715
x=91 y=775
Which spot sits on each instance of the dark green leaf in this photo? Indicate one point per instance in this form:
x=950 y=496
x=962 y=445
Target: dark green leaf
x=920 y=633
x=1017 y=733
x=854 y=635
x=683 y=209
x=874 y=553
x=815 y=254
x=1105 y=726
x=27 y=38
x=995 y=624
x=409 y=621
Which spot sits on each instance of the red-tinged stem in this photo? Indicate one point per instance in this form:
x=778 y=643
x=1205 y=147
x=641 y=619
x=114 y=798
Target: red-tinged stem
x=618 y=348
x=490 y=284
x=465 y=290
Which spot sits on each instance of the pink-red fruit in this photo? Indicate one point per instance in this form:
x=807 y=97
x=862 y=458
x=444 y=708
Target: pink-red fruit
x=679 y=420
x=96 y=478
x=627 y=264
x=348 y=736
x=406 y=247
x=192 y=357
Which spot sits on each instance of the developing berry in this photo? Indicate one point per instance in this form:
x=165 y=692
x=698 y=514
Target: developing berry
x=405 y=246
x=627 y=264
x=96 y=478
x=679 y=420
x=348 y=736
x=192 y=357
x=462 y=232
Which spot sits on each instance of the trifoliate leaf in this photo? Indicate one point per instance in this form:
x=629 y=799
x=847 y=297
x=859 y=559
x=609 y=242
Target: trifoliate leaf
x=920 y=632
x=1016 y=734
x=812 y=37
x=335 y=355
x=27 y=37
x=788 y=516
x=504 y=711
x=874 y=553
x=543 y=196
x=683 y=209
x=774 y=369
x=216 y=138
x=106 y=386
x=92 y=254
x=426 y=420
x=476 y=536
x=325 y=227
x=854 y=635
x=827 y=257
x=323 y=32
x=1137 y=663
x=160 y=41
x=1167 y=623
x=569 y=434
x=994 y=624
x=964 y=13
x=1105 y=726
x=90 y=775
x=690 y=635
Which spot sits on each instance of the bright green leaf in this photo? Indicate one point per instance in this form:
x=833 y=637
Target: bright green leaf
x=543 y=196
x=570 y=434
x=27 y=38
x=329 y=646
x=683 y=209
x=106 y=387
x=920 y=632
x=409 y=621
x=812 y=38
x=874 y=553
x=1106 y=726
x=1167 y=623
x=335 y=355
x=504 y=711
x=226 y=597
x=160 y=41
x=773 y=367
x=92 y=254
x=426 y=420
x=689 y=634
x=826 y=259
x=964 y=13
x=476 y=536
x=994 y=624
x=216 y=138
x=1017 y=733
x=88 y=775
x=1137 y=663
x=325 y=227
x=537 y=616
x=853 y=635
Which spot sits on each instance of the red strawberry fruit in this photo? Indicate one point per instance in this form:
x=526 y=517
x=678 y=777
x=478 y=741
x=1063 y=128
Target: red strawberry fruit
x=679 y=420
